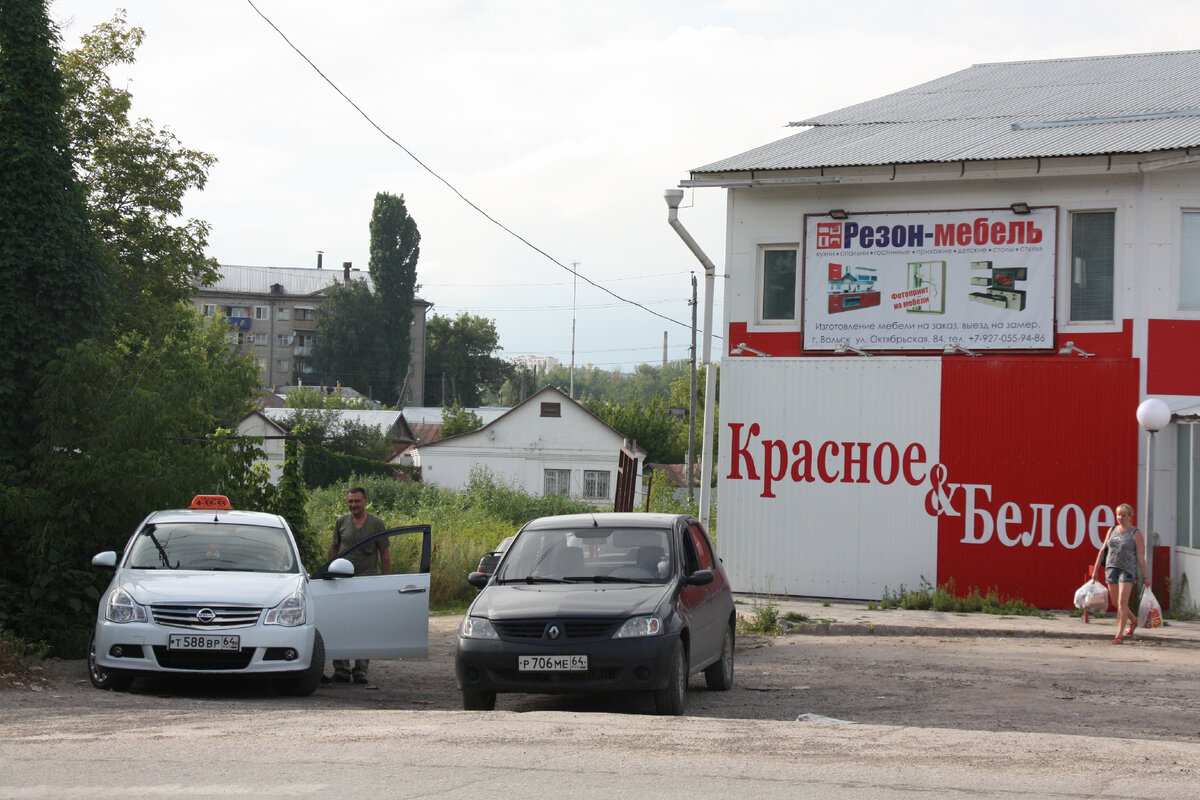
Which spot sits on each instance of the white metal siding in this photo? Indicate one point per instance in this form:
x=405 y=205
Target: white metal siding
x=828 y=539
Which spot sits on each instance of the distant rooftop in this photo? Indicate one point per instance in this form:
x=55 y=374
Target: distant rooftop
x=1100 y=105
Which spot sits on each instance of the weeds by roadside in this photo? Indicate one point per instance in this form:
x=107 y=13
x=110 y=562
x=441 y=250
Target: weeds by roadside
x=944 y=598
x=22 y=664
x=763 y=621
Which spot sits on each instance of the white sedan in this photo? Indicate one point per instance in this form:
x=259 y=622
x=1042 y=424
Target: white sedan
x=210 y=590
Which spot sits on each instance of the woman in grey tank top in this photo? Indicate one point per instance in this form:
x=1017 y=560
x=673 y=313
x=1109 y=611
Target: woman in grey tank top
x=1125 y=563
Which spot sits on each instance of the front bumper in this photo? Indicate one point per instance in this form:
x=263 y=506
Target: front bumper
x=141 y=647
x=614 y=665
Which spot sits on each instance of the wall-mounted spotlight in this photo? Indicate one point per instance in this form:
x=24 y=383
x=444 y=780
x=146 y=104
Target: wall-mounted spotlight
x=845 y=347
x=839 y=213
x=1069 y=347
x=745 y=348
x=1020 y=208
x=956 y=347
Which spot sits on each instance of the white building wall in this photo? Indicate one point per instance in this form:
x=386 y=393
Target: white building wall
x=272 y=446
x=521 y=445
x=1147 y=193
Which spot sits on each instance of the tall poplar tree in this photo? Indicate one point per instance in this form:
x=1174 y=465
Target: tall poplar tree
x=53 y=273
x=395 y=248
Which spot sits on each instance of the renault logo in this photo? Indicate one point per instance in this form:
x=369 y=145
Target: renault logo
x=205 y=615
x=553 y=632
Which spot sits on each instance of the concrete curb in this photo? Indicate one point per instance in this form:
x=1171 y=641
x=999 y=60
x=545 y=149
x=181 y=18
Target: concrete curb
x=877 y=629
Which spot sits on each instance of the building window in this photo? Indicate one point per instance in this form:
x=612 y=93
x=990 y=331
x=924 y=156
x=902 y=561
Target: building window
x=1189 y=268
x=1187 y=528
x=284 y=340
x=209 y=309
x=551 y=409
x=1093 y=237
x=237 y=312
x=595 y=484
x=558 y=481
x=777 y=284
x=282 y=365
x=284 y=314
x=304 y=312
x=262 y=312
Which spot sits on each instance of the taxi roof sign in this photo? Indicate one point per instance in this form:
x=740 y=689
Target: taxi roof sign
x=211 y=502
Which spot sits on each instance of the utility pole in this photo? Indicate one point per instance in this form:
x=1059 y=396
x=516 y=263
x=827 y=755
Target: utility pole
x=574 y=288
x=691 y=450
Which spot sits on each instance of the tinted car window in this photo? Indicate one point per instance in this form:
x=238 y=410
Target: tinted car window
x=700 y=543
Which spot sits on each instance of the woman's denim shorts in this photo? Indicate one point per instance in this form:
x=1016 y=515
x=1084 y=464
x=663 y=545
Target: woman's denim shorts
x=1115 y=575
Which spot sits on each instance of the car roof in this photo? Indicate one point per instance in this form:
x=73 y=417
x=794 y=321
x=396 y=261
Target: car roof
x=636 y=519
x=209 y=515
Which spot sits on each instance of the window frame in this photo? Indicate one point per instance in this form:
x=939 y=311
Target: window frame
x=591 y=479
x=1187 y=310
x=551 y=409
x=559 y=475
x=760 y=284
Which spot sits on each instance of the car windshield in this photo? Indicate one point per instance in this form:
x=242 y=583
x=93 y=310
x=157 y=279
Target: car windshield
x=597 y=555
x=213 y=546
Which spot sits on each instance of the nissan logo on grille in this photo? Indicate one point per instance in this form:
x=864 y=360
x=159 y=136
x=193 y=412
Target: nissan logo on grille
x=553 y=632
x=205 y=615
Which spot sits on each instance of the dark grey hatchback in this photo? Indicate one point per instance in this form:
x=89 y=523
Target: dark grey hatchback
x=599 y=603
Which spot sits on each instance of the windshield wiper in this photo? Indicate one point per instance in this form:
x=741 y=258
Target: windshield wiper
x=162 y=551
x=604 y=579
x=540 y=579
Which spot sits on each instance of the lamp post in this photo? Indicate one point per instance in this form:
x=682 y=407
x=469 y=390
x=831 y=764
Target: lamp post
x=1153 y=415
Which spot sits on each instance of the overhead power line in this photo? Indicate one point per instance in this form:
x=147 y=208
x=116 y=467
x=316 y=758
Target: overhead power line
x=451 y=186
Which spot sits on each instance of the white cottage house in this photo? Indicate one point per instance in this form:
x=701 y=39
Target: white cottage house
x=967 y=289
x=256 y=423
x=548 y=444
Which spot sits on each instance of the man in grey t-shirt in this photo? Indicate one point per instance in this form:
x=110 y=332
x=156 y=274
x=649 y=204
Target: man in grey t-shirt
x=374 y=559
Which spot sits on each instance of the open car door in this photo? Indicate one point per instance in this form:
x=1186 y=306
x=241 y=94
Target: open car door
x=378 y=616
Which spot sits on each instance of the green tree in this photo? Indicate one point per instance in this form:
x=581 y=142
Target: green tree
x=395 y=248
x=363 y=338
x=662 y=435
x=460 y=361
x=347 y=338
x=54 y=276
x=456 y=420
x=136 y=176
x=128 y=416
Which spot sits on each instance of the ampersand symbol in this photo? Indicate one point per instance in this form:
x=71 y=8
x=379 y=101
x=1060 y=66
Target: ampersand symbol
x=937 y=502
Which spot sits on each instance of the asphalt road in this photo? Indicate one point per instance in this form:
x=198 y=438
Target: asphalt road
x=939 y=716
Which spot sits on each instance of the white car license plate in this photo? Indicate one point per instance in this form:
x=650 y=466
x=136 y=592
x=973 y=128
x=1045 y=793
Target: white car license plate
x=198 y=641
x=552 y=663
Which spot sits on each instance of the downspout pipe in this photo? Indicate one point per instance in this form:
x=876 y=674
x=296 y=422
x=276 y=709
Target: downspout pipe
x=673 y=198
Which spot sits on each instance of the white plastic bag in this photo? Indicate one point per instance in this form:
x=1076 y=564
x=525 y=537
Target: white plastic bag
x=1149 y=611
x=1092 y=596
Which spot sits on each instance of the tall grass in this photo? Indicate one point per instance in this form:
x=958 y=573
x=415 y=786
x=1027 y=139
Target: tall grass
x=465 y=524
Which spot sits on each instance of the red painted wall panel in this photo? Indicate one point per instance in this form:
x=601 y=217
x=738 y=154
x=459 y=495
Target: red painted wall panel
x=1039 y=431
x=1173 y=356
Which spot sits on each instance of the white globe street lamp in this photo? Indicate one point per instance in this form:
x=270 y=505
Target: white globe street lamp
x=1153 y=415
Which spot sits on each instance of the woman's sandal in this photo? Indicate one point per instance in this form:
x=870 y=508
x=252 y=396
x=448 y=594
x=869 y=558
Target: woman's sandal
x=1117 y=640
x=1132 y=628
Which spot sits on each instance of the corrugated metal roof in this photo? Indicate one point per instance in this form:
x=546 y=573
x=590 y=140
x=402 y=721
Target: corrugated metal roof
x=384 y=421
x=1078 y=106
x=294 y=280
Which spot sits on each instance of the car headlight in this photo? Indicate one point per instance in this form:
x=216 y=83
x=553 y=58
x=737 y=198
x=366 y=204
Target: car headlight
x=289 y=613
x=121 y=607
x=477 y=628
x=639 y=626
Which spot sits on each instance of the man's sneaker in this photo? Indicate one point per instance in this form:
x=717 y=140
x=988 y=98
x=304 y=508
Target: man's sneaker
x=360 y=678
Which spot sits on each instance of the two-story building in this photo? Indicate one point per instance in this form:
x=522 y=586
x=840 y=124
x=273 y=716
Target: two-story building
x=966 y=289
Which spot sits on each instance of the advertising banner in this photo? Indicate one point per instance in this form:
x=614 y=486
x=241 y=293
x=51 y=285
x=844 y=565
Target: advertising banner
x=983 y=279
x=882 y=473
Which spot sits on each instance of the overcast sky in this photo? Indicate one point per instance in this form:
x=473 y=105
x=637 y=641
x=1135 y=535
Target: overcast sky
x=563 y=120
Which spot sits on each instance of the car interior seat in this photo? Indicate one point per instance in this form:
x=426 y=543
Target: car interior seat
x=648 y=558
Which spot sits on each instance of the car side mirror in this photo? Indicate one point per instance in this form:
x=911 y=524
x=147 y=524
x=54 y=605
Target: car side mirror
x=701 y=577
x=338 y=568
x=478 y=579
x=106 y=559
